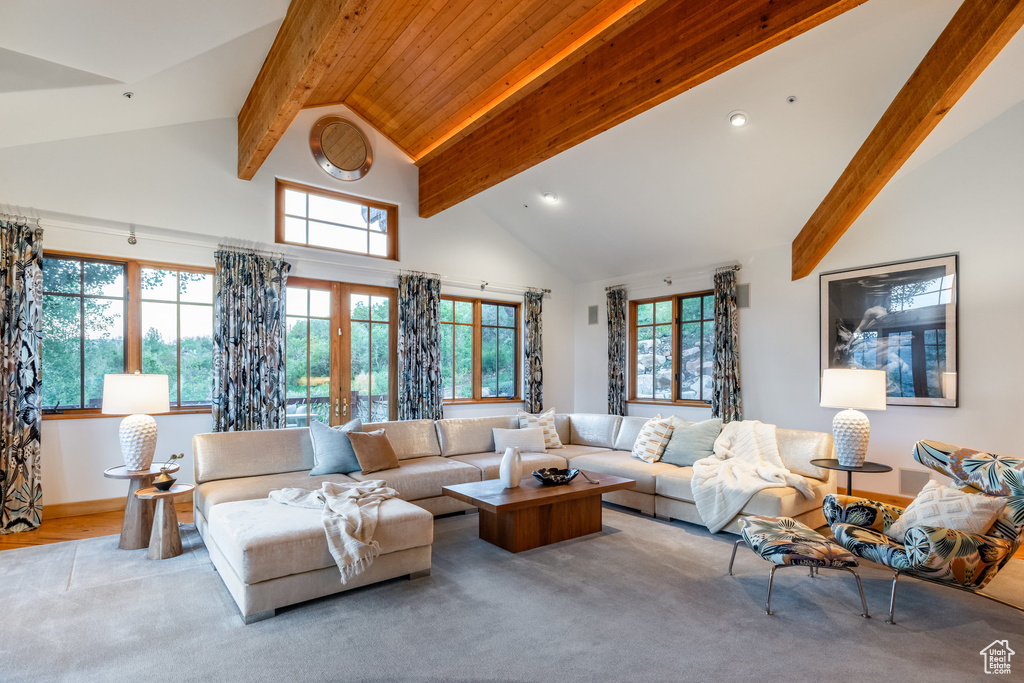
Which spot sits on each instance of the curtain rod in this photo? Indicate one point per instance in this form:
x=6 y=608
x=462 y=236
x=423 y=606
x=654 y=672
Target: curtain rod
x=686 y=274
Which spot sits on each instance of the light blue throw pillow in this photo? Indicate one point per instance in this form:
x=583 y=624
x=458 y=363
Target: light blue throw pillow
x=332 y=449
x=690 y=443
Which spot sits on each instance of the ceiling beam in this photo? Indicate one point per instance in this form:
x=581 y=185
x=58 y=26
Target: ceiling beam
x=973 y=38
x=312 y=36
x=673 y=48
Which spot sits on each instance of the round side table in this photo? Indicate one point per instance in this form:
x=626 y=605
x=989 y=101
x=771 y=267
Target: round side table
x=138 y=514
x=165 y=539
x=868 y=467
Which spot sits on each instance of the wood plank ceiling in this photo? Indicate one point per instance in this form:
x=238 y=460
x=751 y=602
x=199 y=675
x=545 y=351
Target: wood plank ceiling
x=471 y=89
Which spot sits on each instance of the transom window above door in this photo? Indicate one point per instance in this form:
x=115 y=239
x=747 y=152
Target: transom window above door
x=313 y=217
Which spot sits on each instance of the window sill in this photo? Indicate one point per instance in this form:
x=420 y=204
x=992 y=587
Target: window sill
x=678 y=404
x=90 y=414
x=470 y=401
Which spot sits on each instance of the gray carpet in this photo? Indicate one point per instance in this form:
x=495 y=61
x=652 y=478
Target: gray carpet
x=643 y=601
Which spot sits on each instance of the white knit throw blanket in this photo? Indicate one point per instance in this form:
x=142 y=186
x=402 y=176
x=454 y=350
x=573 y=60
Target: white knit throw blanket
x=746 y=460
x=349 y=517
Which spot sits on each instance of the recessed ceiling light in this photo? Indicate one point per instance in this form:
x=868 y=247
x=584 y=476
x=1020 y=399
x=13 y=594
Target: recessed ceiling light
x=550 y=197
x=128 y=95
x=738 y=118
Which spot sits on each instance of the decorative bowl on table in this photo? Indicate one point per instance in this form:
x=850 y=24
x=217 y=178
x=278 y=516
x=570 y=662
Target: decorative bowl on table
x=552 y=476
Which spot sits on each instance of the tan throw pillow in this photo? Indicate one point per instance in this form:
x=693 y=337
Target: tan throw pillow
x=948 y=508
x=529 y=440
x=653 y=438
x=373 y=451
x=545 y=420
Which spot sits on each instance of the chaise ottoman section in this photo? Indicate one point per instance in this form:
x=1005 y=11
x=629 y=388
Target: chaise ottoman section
x=270 y=555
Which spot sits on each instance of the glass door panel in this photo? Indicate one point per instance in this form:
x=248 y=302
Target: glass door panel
x=308 y=355
x=369 y=317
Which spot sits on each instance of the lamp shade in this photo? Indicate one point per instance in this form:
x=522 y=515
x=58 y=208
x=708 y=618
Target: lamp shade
x=136 y=394
x=857 y=389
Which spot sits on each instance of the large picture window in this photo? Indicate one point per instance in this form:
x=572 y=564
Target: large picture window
x=313 y=217
x=479 y=350
x=671 y=342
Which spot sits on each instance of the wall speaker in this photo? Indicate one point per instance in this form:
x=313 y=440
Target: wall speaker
x=743 y=295
x=912 y=481
x=592 y=315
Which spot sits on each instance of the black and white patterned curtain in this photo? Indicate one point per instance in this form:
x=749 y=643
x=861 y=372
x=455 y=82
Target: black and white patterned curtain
x=617 y=351
x=419 y=337
x=21 y=261
x=726 y=400
x=249 y=381
x=533 y=353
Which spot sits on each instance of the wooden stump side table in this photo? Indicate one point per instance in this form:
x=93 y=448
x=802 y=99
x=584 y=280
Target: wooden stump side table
x=138 y=513
x=165 y=539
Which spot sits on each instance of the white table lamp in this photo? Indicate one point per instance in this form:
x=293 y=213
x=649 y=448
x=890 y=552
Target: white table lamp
x=855 y=390
x=136 y=396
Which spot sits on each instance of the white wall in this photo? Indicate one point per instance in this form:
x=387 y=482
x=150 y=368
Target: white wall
x=178 y=185
x=968 y=200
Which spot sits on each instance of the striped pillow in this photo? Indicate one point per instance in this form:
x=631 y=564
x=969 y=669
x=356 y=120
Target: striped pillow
x=653 y=437
x=545 y=420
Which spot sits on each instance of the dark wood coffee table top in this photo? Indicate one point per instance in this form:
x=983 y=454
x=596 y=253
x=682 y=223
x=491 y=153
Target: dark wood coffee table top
x=492 y=495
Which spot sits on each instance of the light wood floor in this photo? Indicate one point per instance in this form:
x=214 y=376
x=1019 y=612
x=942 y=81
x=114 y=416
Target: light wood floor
x=104 y=524
x=83 y=526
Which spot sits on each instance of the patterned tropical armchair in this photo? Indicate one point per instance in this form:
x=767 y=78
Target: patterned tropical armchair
x=947 y=556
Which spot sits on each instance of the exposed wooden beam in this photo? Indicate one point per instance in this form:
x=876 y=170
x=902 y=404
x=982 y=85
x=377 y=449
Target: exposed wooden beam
x=312 y=36
x=973 y=38
x=670 y=50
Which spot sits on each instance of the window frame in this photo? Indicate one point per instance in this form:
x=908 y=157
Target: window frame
x=477 y=326
x=279 y=217
x=676 y=325
x=133 y=325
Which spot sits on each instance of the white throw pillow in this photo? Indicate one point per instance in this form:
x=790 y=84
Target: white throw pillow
x=546 y=421
x=654 y=436
x=948 y=508
x=529 y=440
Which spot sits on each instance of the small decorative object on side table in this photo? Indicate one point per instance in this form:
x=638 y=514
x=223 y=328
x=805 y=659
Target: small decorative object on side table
x=138 y=514
x=867 y=467
x=164 y=480
x=165 y=540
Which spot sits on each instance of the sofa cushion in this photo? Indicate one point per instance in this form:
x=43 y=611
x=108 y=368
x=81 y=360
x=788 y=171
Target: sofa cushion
x=218 y=491
x=653 y=438
x=226 y=455
x=629 y=429
x=798 y=447
x=489 y=463
x=691 y=442
x=423 y=477
x=948 y=508
x=588 y=429
x=459 y=436
x=530 y=440
x=545 y=420
x=783 y=501
x=332 y=449
x=410 y=438
x=573 y=450
x=563 y=427
x=263 y=539
x=623 y=464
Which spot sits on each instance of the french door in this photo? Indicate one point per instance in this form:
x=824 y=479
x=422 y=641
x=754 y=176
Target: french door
x=340 y=348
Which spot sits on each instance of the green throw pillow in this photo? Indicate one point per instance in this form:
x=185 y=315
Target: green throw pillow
x=690 y=443
x=332 y=449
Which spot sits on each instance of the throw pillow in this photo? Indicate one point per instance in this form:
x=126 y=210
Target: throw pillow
x=374 y=451
x=546 y=421
x=654 y=436
x=691 y=442
x=947 y=508
x=529 y=440
x=332 y=449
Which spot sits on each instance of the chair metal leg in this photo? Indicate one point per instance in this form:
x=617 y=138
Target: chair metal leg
x=860 y=588
x=735 y=546
x=892 y=599
x=771 y=579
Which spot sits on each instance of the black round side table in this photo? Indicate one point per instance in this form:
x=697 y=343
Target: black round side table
x=869 y=467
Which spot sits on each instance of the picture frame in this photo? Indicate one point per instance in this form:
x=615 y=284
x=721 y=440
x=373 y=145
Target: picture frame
x=899 y=317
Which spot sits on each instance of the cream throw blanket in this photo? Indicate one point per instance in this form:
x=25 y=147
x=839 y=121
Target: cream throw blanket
x=349 y=517
x=746 y=460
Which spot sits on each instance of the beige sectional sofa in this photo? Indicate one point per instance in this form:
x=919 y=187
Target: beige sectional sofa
x=270 y=556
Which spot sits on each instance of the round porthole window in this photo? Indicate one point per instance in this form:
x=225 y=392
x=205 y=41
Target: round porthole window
x=340 y=148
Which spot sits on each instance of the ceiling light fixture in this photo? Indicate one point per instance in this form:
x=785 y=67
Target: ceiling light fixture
x=738 y=118
x=550 y=197
x=128 y=95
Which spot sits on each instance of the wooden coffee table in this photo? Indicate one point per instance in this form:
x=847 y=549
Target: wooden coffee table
x=533 y=514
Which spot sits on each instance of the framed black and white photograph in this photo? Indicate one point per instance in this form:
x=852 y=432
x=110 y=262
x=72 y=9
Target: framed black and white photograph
x=896 y=317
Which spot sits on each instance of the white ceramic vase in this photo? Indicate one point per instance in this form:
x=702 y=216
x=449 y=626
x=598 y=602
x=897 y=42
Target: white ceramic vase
x=511 y=470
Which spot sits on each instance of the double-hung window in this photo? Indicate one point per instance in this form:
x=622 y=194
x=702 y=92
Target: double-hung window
x=479 y=350
x=671 y=344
